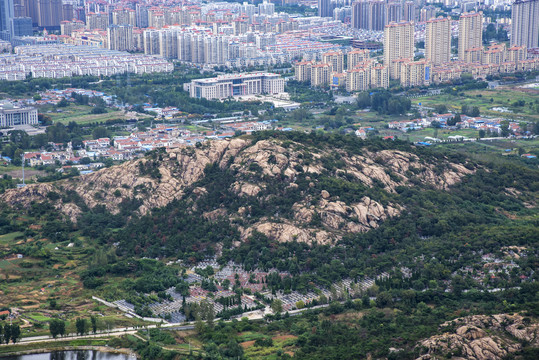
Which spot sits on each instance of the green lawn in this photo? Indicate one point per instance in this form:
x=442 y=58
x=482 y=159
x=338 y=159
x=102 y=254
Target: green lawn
x=8 y=238
x=39 y=317
x=81 y=114
x=487 y=99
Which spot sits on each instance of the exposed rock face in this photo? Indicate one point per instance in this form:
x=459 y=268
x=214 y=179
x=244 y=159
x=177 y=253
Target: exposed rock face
x=482 y=337
x=178 y=168
x=321 y=216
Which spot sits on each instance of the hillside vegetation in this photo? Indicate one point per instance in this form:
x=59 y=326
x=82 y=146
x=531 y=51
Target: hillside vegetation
x=457 y=236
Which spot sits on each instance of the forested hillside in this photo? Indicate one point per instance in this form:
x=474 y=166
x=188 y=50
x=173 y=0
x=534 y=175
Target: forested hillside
x=320 y=207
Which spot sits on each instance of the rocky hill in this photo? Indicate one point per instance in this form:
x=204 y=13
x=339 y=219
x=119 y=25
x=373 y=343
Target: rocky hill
x=481 y=337
x=289 y=190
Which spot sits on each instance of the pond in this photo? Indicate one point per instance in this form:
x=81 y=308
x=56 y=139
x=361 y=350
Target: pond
x=72 y=355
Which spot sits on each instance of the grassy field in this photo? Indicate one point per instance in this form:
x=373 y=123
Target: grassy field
x=6 y=349
x=281 y=344
x=419 y=135
x=81 y=114
x=502 y=97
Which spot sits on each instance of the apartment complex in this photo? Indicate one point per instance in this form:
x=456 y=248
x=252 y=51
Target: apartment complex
x=525 y=23
x=366 y=75
x=361 y=72
x=225 y=86
x=398 y=44
x=438 y=40
x=470 y=33
x=59 y=60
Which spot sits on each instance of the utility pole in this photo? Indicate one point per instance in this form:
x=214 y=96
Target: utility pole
x=23 y=183
x=22 y=159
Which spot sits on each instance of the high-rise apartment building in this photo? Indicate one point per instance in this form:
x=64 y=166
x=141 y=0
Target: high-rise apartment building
x=302 y=71
x=415 y=73
x=68 y=12
x=324 y=8
x=426 y=13
x=67 y=27
x=124 y=17
x=50 y=13
x=320 y=74
x=410 y=11
x=6 y=13
x=97 y=21
x=398 y=43
x=141 y=14
x=120 y=37
x=266 y=8
x=21 y=26
x=470 y=32
x=355 y=57
x=525 y=23
x=359 y=79
x=380 y=77
x=394 y=12
x=335 y=59
x=19 y=8
x=438 y=40
x=369 y=15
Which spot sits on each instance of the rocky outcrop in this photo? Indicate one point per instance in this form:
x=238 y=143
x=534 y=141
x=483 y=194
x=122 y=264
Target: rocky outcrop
x=258 y=169
x=481 y=337
x=178 y=169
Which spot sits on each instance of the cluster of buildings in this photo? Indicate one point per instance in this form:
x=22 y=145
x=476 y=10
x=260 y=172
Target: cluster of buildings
x=129 y=147
x=438 y=64
x=202 y=46
x=217 y=33
x=56 y=61
x=361 y=71
x=489 y=125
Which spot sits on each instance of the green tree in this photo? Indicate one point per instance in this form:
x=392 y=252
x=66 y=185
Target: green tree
x=63 y=103
x=7 y=333
x=53 y=304
x=384 y=299
x=57 y=327
x=80 y=325
x=440 y=109
x=93 y=320
x=15 y=333
x=277 y=306
x=100 y=132
x=504 y=126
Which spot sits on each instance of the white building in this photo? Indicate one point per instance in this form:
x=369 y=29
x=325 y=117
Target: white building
x=225 y=86
x=11 y=115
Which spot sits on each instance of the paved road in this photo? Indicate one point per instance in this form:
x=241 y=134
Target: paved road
x=254 y=315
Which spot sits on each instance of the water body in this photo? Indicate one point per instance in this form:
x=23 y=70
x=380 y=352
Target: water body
x=72 y=355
